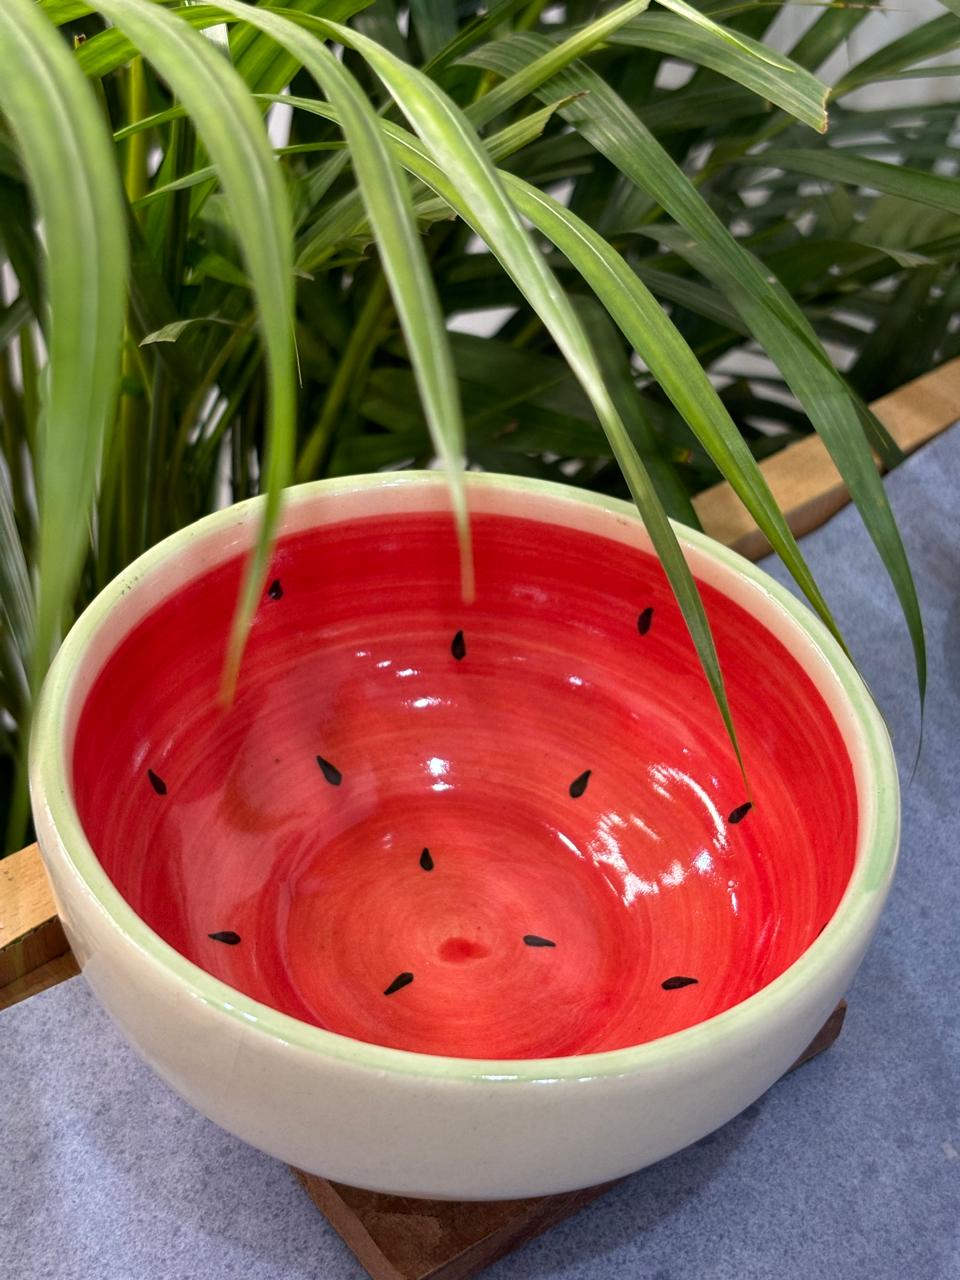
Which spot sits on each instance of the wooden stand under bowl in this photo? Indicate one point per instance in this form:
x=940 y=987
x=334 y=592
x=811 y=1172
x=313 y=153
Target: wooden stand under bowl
x=399 y=1238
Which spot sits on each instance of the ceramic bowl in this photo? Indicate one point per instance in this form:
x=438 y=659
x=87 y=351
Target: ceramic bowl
x=460 y=899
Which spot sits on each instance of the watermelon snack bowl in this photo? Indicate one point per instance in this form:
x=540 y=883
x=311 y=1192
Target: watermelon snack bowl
x=461 y=900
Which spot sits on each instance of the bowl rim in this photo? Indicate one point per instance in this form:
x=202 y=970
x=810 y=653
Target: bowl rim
x=58 y=823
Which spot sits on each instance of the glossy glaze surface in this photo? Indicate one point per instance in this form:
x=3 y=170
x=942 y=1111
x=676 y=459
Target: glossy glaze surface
x=505 y=830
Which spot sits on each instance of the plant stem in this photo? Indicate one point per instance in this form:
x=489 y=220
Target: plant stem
x=12 y=434
x=132 y=529
x=191 y=414
x=160 y=428
x=375 y=315
x=530 y=16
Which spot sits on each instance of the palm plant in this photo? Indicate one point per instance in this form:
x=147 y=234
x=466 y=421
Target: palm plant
x=195 y=312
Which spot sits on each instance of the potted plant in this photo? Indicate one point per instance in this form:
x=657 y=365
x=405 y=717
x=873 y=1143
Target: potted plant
x=188 y=274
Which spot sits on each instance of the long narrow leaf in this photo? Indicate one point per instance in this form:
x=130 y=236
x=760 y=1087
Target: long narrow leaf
x=478 y=195
x=527 y=79
x=111 y=48
x=230 y=126
x=786 y=84
x=435 y=22
x=928 y=40
x=655 y=338
x=826 y=34
x=841 y=166
x=770 y=313
x=387 y=200
x=836 y=418
x=67 y=155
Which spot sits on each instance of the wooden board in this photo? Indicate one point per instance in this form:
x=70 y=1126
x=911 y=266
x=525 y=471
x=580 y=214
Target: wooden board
x=26 y=901
x=803 y=479
x=47 y=975
x=401 y=1238
x=31 y=936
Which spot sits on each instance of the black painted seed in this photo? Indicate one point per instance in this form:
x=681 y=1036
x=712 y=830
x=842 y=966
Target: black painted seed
x=158 y=784
x=644 y=620
x=674 y=984
x=740 y=812
x=330 y=772
x=275 y=591
x=459 y=647
x=532 y=940
x=227 y=936
x=426 y=861
x=400 y=981
x=579 y=785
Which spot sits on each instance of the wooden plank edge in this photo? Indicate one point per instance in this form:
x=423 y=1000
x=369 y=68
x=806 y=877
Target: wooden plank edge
x=26 y=900
x=805 y=483
x=31 y=950
x=402 y=1238
x=47 y=975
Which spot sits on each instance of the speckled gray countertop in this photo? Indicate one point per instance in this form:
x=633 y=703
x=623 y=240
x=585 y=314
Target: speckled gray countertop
x=849 y=1168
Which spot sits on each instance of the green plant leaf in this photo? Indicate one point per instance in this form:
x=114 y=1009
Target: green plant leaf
x=854 y=170
x=921 y=73
x=16 y=595
x=928 y=40
x=657 y=341
x=826 y=34
x=471 y=185
x=700 y=19
x=743 y=60
x=110 y=49
x=471 y=32
x=345 y=219
x=171 y=332
x=838 y=422
x=768 y=310
x=527 y=79
x=61 y=11
x=602 y=117
x=435 y=22
x=232 y=131
x=67 y=156
x=633 y=409
x=267 y=67
x=388 y=205
x=12 y=318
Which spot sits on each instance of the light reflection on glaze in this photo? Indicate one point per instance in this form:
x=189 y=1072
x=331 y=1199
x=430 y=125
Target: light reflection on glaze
x=325 y=885
x=731 y=892
x=673 y=876
x=439 y=769
x=661 y=774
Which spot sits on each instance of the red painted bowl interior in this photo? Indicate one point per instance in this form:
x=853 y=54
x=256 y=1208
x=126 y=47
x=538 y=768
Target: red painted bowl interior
x=512 y=829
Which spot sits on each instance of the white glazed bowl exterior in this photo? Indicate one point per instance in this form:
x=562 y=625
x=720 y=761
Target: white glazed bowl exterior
x=416 y=1124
